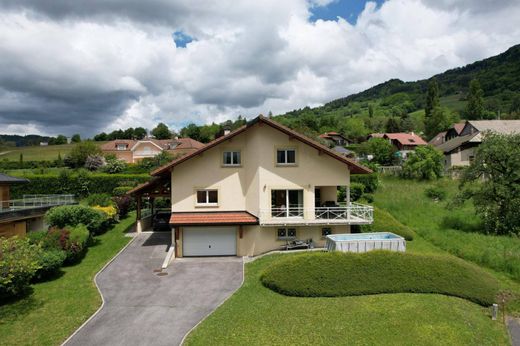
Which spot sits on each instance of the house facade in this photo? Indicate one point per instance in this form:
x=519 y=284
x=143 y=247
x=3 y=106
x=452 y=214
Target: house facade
x=460 y=150
x=404 y=143
x=257 y=188
x=334 y=139
x=132 y=151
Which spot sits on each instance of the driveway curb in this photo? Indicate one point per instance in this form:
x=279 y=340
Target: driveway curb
x=99 y=291
x=218 y=306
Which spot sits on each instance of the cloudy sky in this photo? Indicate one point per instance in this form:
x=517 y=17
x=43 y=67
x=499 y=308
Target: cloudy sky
x=70 y=66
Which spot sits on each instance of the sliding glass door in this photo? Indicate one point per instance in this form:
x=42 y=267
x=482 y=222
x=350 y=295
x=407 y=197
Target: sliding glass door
x=287 y=203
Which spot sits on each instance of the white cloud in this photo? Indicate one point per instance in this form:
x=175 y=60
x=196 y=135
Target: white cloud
x=98 y=65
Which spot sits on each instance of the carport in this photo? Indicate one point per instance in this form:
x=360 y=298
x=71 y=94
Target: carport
x=145 y=196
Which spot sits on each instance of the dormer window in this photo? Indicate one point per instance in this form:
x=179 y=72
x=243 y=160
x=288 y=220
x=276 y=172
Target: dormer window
x=121 y=146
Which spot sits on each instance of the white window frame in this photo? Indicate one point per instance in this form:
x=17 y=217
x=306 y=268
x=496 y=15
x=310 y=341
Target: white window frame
x=232 y=164
x=207 y=203
x=120 y=147
x=285 y=163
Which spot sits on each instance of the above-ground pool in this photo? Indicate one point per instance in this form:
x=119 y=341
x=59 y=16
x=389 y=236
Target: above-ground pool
x=363 y=242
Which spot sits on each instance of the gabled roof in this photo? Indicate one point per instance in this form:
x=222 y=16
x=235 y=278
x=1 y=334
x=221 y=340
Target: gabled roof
x=438 y=139
x=498 y=126
x=456 y=142
x=7 y=179
x=164 y=144
x=458 y=127
x=353 y=166
x=406 y=138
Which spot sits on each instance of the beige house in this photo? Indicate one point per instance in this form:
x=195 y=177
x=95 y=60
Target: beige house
x=255 y=189
x=132 y=151
x=459 y=150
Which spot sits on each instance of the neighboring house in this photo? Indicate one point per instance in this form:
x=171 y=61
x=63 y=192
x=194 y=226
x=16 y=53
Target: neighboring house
x=460 y=150
x=445 y=136
x=18 y=216
x=255 y=189
x=334 y=139
x=404 y=143
x=132 y=151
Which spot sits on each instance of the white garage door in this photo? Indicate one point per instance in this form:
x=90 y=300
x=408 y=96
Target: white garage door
x=209 y=241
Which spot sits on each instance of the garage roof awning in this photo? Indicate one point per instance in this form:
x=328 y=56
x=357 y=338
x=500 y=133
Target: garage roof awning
x=213 y=218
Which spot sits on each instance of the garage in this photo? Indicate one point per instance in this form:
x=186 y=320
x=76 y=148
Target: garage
x=209 y=241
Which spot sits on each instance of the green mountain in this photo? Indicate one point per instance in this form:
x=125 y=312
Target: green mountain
x=369 y=111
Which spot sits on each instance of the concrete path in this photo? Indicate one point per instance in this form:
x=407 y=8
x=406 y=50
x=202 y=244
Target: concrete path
x=513 y=324
x=144 y=308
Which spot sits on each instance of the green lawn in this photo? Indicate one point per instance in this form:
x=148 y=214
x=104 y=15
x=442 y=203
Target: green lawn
x=255 y=315
x=56 y=308
x=37 y=153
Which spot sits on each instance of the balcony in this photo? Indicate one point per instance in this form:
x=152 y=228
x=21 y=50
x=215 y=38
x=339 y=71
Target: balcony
x=31 y=204
x=353 y=214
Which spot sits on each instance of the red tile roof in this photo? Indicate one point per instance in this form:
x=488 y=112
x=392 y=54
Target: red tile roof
x=181 y=143
x=459 y=127
x=406 y=138
x=354 y=167
x=213 y=218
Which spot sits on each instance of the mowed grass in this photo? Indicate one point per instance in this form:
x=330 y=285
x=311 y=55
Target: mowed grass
x=256 y=315
x=340 y=274
x=56 y=308
x=37 y=153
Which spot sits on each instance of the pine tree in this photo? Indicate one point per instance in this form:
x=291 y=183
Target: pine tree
x=370 y=110
x=392 y=126
x=475 y=106
x=432 y=98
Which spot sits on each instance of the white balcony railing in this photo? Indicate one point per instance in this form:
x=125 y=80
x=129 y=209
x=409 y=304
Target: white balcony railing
x=353 y=214
x=35 y=201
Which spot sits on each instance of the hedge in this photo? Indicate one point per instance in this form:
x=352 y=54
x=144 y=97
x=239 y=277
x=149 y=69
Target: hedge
x=73 y=215
x=385 y=222
x=340 y=274
x=77 y=184
x=371 y=181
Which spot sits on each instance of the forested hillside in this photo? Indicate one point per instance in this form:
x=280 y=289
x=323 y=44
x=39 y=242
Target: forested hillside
x=399 y=106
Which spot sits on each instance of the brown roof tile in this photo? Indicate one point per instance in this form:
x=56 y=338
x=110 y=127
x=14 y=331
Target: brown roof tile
x=213 y=218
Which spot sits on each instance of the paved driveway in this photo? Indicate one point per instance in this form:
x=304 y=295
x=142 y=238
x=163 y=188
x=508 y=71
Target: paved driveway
x=143 y=308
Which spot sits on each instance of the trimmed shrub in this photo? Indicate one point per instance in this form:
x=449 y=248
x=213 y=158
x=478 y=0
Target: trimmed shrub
x=124 y=205
x=385 y=222
x=73 y=215
x=340 y=274
x=121 y=190
x=81 y=184
x=99 y=199
x=371 y=181
x=436 y=193
x=18 y=264
x=50 y=261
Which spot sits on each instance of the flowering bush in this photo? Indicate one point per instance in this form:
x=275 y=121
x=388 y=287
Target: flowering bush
x=18 y=264
x=110 y=211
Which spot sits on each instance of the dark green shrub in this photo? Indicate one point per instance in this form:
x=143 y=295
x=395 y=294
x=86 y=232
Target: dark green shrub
x=73 y=215
x=50 y=261
x=124 y=205
x=18 y=264
x=80 y=184
x=121 y=190
x=371 y=181
x=99 y=199
x=368 y=197
x=436 y=193
x=385 y=222
x=356 y=191
x=340 y=274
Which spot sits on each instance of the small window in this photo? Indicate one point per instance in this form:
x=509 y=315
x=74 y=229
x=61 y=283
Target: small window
x=286 y=233
x=209 y=197
x=286 y=156
x=232 y=158
x=325 y=232
x=471 y=158
x=121 y=146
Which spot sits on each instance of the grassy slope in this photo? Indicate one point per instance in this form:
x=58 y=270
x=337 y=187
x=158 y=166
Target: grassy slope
x=56 y=308
x=407 y=202
x=256 y=315
x=37 y=153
